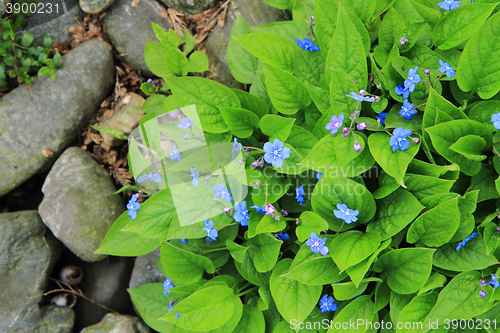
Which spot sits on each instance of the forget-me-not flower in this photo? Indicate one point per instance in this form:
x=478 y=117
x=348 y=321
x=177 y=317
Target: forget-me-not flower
x=211 y=233
x=345 y=213
x=185 y=123
x=446 y=68
x=462 y=243
x=174 y=154
x=176 y=313
x=299 y=192
x=335 y=123
x=149 y=177
x=381 y=117
x=361 y=98
x=401 y=90
x=133 y=206
x=196 y=176
x=407 y=110
x=281 y=236
x=167 y=284
x=412 y=79
x=326 y=303
x=494 y=281
x=184 y=240
x=236 y=148
x=275 y=153
x=259 y=209
x=222 y=192
x=449 y=4
x=317 y=244
x=241 y=215
x=495 y=118
x=319 y=175
x=307 y=44
x=398 y=139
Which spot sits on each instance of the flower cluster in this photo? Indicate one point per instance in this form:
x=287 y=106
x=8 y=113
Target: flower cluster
x=493 y=282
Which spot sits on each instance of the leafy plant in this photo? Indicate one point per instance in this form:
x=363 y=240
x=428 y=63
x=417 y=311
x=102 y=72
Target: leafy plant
x=377 y=124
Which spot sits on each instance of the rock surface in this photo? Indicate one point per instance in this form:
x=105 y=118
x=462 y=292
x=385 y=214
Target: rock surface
x=2 y=7
x=95 y=6
x=126 y=117
x=49 y=319
x=27 y=255
x=190 y=6
x=79 y=206
x=145 y=270
x=53 y=118
x=255 y=12
x=113 y=322
x=129 y=28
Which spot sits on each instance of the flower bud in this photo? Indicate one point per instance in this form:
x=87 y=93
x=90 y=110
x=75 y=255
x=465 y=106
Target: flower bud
x=361 y=126
x=312 y=17
x=356 y=112
x=427 y=71
x=297 y=221
x=416 y=140
x=344 y=129
x=255 y=163
x=361 y=92
x=377 y=98
x=207 y=179
x=256 y=185
x=482 y=283
x=345 y=135
x=185 y=137
x=277 y=218
x=497 y=229
x=357 y=146
x=247 y=150
x=261 y=163
x=241 y=161
x=149 y=80
x=482 y=293
x=226 y=209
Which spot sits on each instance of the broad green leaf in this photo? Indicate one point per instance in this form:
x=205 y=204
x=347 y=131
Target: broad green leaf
x=344 y=149
x=352 y=247
x=386 y=185
x=473 y=256
x=272 y=187
x=154 y=56
x=125 y=243
x=168 y=39
x=182 y=266
x=424 y=186
x=289 y=30
x=415 y=312
x=319 y=96
x=309 y=222
x=424 y=57
x=331 y=191
x=236 y=251
x=436 y=226
x=358 y=271
x=276 y=127
x=484 y=181
x=428 y=11
x=412 y=33
x=382 y=6
x=483 y=111
x=198 y=62
x=189 y=40
x=269 y=224
x=309 y=66
x=361 y=308
x=264 y=249
x=348 y=290
x=394 y=163
x=443 y=135
x=435 y=281
x=347 y=52
x=486 y=317
x=460 y=24
x=270 y=48
x=241 y=122
x=390 y=27
x=287 y=93
x=248 y=271
x=27 y=39
x=116 y=133
x=470 y=146
x=281 y=4
x=467 y=205
x=252 y=321
x=362 y=9
x=293 y=299
x=478 y=69
x=251 y=102
x=397 y=304
x=206 y=309
x=242 y=63
x=382 y=295
x=207 y=95
x=408 y=269
x=265 y=298
x=393 y=119
x=301 y=140
x=154 y=103
x=316 y=271
x=459 y=299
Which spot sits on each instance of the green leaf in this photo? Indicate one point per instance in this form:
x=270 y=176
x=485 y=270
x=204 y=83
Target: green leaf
x=248 y=271
x=408 y=269
x=394 y=163
x=309 y=66
x=154 y=103
x=411 y=32
x=242 y=63
x=125 y=243
x=344 y=149
x=176 y=62
x=252 y=321
x=293 y=299
x=236 y=251
x=301 y=140
x=275 y=185
x=435 y=281
x=348 y=54
x=27 y=39
x=362 y=9
x=319 y=96
x=251 y=102
x=287 y=93
x=198 y=62
x=470 y=146
x=443 y=135
x=265 y=298
x=52 y=74
x=331 y=191
x=358 y=271
x=195 y=309
x=47 y=41
x=348 y=290
x=460 y=24
x=478 y=68
x=436 y=226
x=241 y=122
x=43 y=71
x=189 y=40
x=270 y=48
x=154 y=55
x=459 y=299
x=362 y=309
x=482 y=112
x=281 y=4
x=309 y=222
x=116 y=133
x=352 y=247
x=269 y=224
x=264 y=249
x=415 y=312
x=276 y=127
x=207 y=95
x=424 y=186
x=484 y=181
x=391 y=26
x=316 y=271
x=169 y=39
x=182 y=266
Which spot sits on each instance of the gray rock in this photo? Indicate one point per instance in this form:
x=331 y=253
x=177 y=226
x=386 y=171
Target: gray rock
x=27 y=255
x=145 y=270
x=2 y=7
x=113 y=322
x=95 y=6
x=129 y=28
x=190 y=6
x=255 y=12
x=51 y=120
x=105 y=282
x=56 y=24
x=126 y=117
x=49 y=319
x=79 y=206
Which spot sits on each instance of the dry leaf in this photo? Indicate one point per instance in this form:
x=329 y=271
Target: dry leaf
x=47 y=153
x=135 y=3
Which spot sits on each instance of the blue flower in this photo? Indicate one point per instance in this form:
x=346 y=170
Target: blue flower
x=222 y=192
x=281 y=236
x=326 y=303
x=335 y=123
x=319 y=175
x=176 y=313
x=259 y=209
x=299 y=192
x=345 y=213
x=150 y=177
x=449 y=4
x=211 y=233
x=167 y=284
x=133 y=206
x=307 y=44
x=170 y=307
x=196 y=176
x=407 y=110
x=275 y=153
x=398 y=139
x=360 y=98
x=494 y=281
x=241 y=215
x=184 y=240
x=412 y=79
x=185 y=123
x=462 y=243
x=381 y=117
x=174 y=154
x=317 y=244
x=446 y=68
x=495 y=118
x=401 y=90
x=236 y=148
